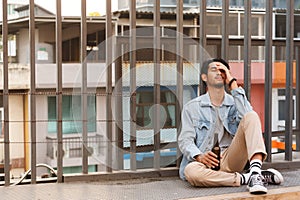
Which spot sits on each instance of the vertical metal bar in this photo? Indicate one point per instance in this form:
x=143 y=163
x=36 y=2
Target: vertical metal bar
x=59 y=92
x=202 y=31
x=297 y=98
x=268 y=80
x=109 y=84
x=119 y=107
x=5 y=94
x=247 y=49
x=156 y=57
x=132 y=43
x=289 y=79
x=84 y=87
x=179 y=63
x=32 y=90
x=225 y=35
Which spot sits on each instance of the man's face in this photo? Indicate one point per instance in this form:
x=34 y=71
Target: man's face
x=215 y=77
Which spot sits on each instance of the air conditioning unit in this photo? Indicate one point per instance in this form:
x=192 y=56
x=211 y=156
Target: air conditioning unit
x=96 y=151
x=65 y=150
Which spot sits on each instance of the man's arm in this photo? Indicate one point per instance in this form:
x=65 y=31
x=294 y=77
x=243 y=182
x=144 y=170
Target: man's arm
x=241 y=101
x=238 y=93
x=187 y=137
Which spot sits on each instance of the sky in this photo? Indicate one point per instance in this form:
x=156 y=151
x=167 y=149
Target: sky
x=72 y=7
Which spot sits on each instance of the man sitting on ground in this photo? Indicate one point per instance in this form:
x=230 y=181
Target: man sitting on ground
x=239 y=135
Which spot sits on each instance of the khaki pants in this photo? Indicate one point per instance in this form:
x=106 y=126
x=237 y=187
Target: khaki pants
x=247 y=142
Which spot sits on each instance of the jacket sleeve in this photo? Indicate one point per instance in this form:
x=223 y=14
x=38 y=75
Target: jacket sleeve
x=241 y=101
x=187 y=137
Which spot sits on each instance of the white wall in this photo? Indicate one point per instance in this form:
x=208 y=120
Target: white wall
x=41 y=127
x=23 y=45
x=16 y=126
x=16 y=132
x=46 y=75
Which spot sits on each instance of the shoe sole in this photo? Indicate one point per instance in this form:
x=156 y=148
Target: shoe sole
x=257 y=189
x=278 y=178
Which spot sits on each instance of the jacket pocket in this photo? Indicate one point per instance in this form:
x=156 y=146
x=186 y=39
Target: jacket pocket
x=201 y=129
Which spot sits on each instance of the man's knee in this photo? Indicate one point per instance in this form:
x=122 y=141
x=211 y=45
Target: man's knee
x=251 y=117
x=192 y=172
x=189 y=170
x=251 y=114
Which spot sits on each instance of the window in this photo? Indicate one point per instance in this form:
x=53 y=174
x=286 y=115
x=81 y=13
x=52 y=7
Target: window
x=282 y=109
x=213 y=26
x=96 y=47
x=71 y=111
x=280 y=26
x=256 y=25
x=281 y=104
x=145 y=109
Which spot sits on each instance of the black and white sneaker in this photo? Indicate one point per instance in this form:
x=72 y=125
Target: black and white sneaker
x=256 y=184
x=272 y=176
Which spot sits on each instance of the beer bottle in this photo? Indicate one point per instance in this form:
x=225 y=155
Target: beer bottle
x=216 y=150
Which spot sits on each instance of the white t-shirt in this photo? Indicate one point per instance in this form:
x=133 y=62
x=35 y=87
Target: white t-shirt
x=224 y=137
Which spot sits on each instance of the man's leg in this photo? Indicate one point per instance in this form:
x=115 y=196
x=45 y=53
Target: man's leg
x=197 y=174
x=247 y=143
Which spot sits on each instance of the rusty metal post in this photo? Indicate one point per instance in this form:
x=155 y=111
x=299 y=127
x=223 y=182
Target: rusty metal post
x=132 y=52
x=247 y=49
x=179 y=63
x=289 y=79
x=5 y=94
x=202 y=31
x=119 y=107
x=156 y=56
x=83 y=26
x=225 y=34
x=268 y=80
x=109 y=85
x=32 y=90
x=58 y=32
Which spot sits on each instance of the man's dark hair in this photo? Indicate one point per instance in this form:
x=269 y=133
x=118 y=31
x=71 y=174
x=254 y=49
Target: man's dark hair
x=206 y=63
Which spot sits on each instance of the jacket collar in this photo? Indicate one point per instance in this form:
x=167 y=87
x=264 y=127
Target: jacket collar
x=228 y=100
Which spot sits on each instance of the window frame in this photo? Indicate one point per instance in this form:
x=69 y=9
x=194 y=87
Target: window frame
x=277 y=123
x=142 y=105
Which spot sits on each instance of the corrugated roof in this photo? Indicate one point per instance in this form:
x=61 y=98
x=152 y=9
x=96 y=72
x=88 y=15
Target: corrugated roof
x=126 y=11
x=284 y=10
x=26 y=7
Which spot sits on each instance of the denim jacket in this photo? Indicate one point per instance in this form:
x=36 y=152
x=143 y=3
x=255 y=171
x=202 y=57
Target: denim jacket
x=198 y=121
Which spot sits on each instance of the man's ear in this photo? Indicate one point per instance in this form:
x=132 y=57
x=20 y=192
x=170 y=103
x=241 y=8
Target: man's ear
x=204 y=77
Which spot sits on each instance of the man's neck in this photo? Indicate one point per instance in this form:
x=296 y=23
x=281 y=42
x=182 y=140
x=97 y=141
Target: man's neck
x=216 y=95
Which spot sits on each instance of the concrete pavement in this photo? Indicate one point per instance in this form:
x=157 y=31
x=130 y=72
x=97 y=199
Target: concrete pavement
x=148 y=188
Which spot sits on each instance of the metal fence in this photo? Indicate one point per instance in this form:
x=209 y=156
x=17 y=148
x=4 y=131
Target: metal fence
x=114 y=122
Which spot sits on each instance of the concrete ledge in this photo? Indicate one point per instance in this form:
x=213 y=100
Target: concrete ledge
x=290 y=193
x=122 y=175
x=282 y=165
